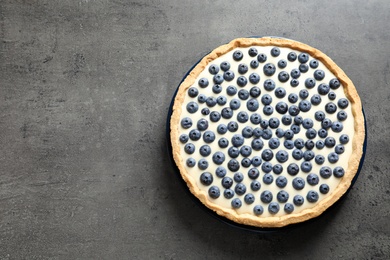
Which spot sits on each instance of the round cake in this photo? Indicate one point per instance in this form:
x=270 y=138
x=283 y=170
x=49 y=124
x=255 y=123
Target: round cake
x=267 y=131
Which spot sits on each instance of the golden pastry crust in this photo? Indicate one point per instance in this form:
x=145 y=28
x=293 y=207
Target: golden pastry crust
x=357 y=141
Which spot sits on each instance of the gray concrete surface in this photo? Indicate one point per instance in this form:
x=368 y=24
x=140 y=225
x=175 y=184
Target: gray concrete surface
x=85 y=87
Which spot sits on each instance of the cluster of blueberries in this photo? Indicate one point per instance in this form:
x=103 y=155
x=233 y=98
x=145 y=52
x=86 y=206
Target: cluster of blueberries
x=266 y=131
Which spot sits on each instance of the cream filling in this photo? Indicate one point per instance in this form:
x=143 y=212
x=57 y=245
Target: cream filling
x=348 y=129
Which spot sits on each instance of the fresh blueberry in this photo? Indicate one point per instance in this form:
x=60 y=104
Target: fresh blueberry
x=326 y=123
x=237 y=140
x=295 y=128
x=338 y=172
x=232 y=126
x=267 y=155
x=325 y=172
x=220 y=171
x=268 y=178
x=311 y=133
x=266 y=196
x=231 y=90
x=279 y=132
x=268 y=110
x=273 y=122
x=312 y=179
x=334 y=83
x=322 y=133
x=236 y=203
x=298 y=183
x=235 y=104
x=343 y=103
x=288 y=208
x=308 y=155
x=319 y=145
x=242 y=81
x=319 y=74
x=282 y=196
x=205 y=111
x=303 y=68
x=295 y=73
x=306 y=166
x=208 y=137
x=249 y=198
x=234 y=152
x=218 y=79
x=254 y=78
x=332 y=95
x=310 y=83
x=238 y=177
x=273 y=208
x=215 y=116
x=266 y=167
x=298 y=120
x=192 y=107
x=344 y=139
x=217 y=88
x=269 y=69
x=323 y=89
x=252 y=52
x=319 y=116
x=206 y=178
x=333 y=157
x=298 y=200
x=281 y=181
x=211 y=101
x=275 y=51
x=245 y=150
x=255 y=185
x=257 y=144
x=337 y=127
x=255 y=118
x=297 y=154
x=195 y=135
x=253 y=173
x=223 y=142
x=342 y=115
x=307 y=123
x=238 y=55
x=304 y=105
x=299 y=143
x=214 y=192
x=283 y=76
x=183 y=138
x=242 y=117
x=221 y=100
x=309 y=144
x=225 y=66
x=293 y=110
x=205 y=150
x=269 y=85
x=314 y=64
x=267 y=134
x=247 y=132
x=288 y=134
x=330 y=142
x=282 y=64
x=324 y=188
x=303 y=57
x=218 y=158
x=243 y=94
x=312 y=196
x=287 y=120
x=293 y=169
x=203 y=82
x=242 y=68
x=203 y=164
x=227 y=113
x=292 y=56
x=262 y=57
x=252 y=105
x=319 y=159
x=289 y=144
x=191 y=162
x=213 y=69
x=193 y=92
x=281 y=156
x=303 y=94
x=254 y=64
x=266 y=99
x=293 y=98
x=258 y=210
x=264 y=123
x=228 y=75
x=228 y=193
x=227 y=182
x=277 y=169
x=255 y=92
x=240 y=189
x=330 y=108
x=294 y=83
x=280 y=92
x=256 y=161
x=186 y=122
x=273 y=143
x=233 y=165
x=281 y=107
x=315 y=99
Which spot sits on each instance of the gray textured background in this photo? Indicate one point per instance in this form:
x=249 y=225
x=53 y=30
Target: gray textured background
x=85 y=87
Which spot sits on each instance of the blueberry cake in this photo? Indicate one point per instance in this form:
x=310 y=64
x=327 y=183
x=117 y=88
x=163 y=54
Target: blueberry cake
x=267 y=132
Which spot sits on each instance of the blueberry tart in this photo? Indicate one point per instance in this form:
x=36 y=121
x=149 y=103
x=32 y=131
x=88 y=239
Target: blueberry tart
x=267 y=132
